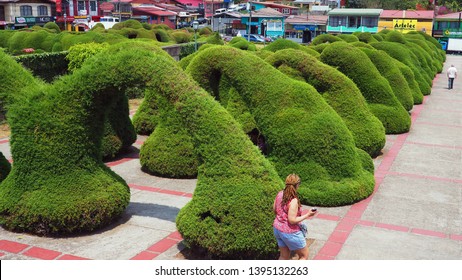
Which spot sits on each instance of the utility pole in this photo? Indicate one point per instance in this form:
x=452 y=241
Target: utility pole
x=250 y=21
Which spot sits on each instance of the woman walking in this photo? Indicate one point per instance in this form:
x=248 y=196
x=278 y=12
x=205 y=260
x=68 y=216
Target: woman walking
x=288 y=217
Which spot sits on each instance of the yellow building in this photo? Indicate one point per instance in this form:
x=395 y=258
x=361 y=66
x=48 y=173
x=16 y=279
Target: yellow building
x=406 y=20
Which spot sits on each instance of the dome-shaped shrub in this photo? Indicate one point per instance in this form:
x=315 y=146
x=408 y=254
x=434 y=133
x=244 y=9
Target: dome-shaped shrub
x=98 y=26
x=181 y=36
x=341 y=94
x=52 y=26
x=349 y=38
x=376 y=90
x=215 y=39
x=324 y=38
x=131 y=23
x=205 y=31
x=241 y=43
x=377 y=37
x=365 y=37
x=161 y=35
x=408 y=75
x=281 y=44
x=390 y=71
x=402 y=54
x=169 y=150
x=281 y=106
x=361 y=45
x=395 y=36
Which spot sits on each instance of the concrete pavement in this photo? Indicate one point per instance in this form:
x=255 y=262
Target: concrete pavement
x=415 y=212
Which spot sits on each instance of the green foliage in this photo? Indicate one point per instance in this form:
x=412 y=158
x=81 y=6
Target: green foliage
x=161 y=26
x=242 y=43
x=47 y=66
x=340 y=93
x=365 y=37
x=181 y=36
x=390 y=71
x=205 y=31
x=169 y=150
x=52 y=26
x=161 y=35
x=376 y=90
x=131 y=23
x=215 y=39
x=402 y=54
x=349 y=38
x=79 y=53
x=146 y=26
x=281 y=106
x=98 y=26
x=395 y=36
x=377 y=37
x=13 y=79
x=281 y=44
x=324 y=38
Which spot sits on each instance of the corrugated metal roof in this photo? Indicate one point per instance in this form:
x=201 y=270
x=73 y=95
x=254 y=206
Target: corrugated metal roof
x=356 y=12
x=407 y=14
x=449 y=16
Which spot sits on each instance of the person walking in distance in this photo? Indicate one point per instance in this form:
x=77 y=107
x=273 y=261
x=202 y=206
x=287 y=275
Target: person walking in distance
x=286 y=225
x=452 y=74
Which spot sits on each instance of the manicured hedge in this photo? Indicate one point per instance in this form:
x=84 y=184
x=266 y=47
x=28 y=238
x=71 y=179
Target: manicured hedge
x=402 y=54
x=58 y=183
x=365 y=37
x=47 y=66
x=13 y=79
x=356 y=65
x=340 y=93
x=390 y=71
x=349 y=38
x=325 y=38
x=303 y=134
x=281 y=44
x=241 y=43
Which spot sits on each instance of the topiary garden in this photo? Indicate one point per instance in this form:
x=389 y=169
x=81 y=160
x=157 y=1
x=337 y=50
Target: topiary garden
x=237 y=119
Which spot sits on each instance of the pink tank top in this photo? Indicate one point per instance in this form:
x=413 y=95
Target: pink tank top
x=281 y=222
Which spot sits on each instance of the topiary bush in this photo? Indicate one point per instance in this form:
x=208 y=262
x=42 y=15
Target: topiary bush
x=181 y=36
x=241 y=43
x=376 y=90
x=215 y=39
x=52 y=26
x=349 y=38
x=390 y=71
x=341 y=94
x=402 y=54
x=365 y=37
x=332 y=176
x=325 y=38
x=79 y=53
x=58 y=183
x=131 y=23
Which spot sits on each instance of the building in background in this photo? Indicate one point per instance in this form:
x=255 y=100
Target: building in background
x=17 y=14
x=407 y=20
x=353 y=20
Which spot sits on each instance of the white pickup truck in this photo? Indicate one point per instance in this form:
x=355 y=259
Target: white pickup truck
x=107 y=22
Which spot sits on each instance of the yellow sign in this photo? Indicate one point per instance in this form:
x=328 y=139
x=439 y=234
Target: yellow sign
x=404 y=25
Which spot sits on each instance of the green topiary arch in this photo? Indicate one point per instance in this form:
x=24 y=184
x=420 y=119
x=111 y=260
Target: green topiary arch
x=340 y=93
x=303 y=134
x=376 y=90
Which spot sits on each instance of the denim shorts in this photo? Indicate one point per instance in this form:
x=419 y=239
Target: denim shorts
x=294 y=241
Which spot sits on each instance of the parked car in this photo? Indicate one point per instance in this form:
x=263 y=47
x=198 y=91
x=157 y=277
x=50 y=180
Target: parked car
x=267 y=39
x=183 y=24
x=201 y=20
x=253 y=38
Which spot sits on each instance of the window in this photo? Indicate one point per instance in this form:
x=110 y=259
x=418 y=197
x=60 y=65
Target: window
x=336 y=21
x=370 y=21
x=42 y=10
x=2 y=13
x=286 y=11
x=162 y=19
x=25 y=10
x=354 y=22
x=443 y=25
x=93 y=6
x=274 y=25
x=454 y=25
x=81 y=6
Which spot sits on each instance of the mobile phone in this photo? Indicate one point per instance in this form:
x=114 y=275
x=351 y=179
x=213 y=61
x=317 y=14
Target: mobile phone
x=314 y=209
